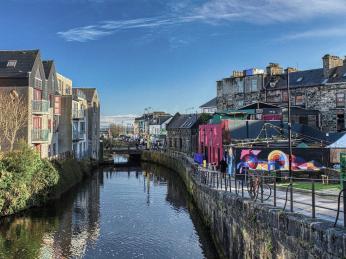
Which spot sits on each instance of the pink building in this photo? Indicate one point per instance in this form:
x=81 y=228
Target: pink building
x=210 y=142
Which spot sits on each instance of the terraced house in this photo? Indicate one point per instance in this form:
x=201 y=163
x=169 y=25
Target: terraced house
x=314 y=91
x=49 y=115
x=24 y=75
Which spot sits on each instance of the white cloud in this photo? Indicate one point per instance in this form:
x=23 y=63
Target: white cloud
x=316 y=33
x=267 y=11
x=216 y=11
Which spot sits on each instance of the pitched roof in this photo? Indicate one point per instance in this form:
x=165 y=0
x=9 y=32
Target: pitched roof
x=183 y=121
x=47 y=66
x=89 y=92
x=159 y=120
x=25 y=60
x=210 y=103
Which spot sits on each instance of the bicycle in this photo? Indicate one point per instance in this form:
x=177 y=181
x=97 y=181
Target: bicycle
x=255 y=186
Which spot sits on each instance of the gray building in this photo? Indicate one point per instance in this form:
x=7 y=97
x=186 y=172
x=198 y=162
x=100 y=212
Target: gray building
x=322 y=89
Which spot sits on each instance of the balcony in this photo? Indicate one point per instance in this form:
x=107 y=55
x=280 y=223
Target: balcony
x=77 y=114
x=40 y=107
x=78 y=135
x=39 y=135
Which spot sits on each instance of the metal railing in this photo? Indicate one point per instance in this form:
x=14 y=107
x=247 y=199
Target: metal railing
x=39 y=135
x=78 y=114
x=321 y=198
x=40 y=106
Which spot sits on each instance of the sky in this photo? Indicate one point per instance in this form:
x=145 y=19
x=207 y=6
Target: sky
x=168 y=54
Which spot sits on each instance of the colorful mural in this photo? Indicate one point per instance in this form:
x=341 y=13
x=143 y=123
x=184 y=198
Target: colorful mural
x=270 y=160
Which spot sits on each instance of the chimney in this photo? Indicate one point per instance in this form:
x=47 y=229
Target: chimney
x=237 y=73
x=274 y=69
x=330 y=62
x=291 y=69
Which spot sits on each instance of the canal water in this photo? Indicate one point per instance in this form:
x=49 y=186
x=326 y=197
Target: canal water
x=125 y=213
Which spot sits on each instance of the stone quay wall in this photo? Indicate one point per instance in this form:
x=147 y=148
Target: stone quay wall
x=242 y=228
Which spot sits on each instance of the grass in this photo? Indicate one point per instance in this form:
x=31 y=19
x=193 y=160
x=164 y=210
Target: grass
x=308 y=186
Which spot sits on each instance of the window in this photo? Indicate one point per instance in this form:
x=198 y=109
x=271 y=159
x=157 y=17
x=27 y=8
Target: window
x=340 y=100
x=284 y=96
x=325 y=81
x=12 y=63
x=38 y=80
x=50 y=125
x=240 y=85
x=57 y=105
x=38 y=83
x=254 y=85
x=299 y=100
x=37 y=94
x=37 y=122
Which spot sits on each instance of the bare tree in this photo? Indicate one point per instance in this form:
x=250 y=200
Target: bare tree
x=13 y=116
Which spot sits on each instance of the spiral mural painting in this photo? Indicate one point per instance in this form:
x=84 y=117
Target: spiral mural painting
x=271 y=160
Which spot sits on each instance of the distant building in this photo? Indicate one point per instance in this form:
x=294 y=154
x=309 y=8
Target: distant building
x=209 y=107
x=182 y=133
x=157 y=128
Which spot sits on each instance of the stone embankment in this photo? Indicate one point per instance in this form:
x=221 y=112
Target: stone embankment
x=242 y=228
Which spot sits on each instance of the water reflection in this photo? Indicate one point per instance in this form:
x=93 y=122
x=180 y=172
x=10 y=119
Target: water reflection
x=134 y=213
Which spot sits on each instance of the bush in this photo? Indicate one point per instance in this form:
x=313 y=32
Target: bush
x=25 y=180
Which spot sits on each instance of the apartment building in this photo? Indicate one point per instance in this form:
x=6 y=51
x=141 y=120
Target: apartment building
x=79 y=124
x=93 y=119
x=54 y=110
x=22 y=73
x=65 y=125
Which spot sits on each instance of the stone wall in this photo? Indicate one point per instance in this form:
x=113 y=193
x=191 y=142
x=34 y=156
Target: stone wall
x=244 y=229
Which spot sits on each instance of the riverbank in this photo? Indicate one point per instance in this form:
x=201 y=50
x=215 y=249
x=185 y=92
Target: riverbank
x=242 y=228
x=28 y=181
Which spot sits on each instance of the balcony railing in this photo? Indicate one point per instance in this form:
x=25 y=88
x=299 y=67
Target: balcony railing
x=40 y=106
x=77 y=114
x=39 y=135
x=78 y=135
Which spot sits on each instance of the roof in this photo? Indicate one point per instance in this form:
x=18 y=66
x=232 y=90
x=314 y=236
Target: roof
x=263 y=129
x=258 y=105
x=159 y=120
x=211 y=103
x=89 y=92
x=47 y=66
x=25 y=60
x=340 y=143
x=306 y=78
x=183 y=121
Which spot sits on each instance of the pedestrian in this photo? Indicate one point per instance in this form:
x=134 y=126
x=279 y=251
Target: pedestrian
x=223 y=167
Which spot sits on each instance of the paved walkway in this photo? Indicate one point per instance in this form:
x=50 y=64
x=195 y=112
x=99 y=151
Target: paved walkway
x=326 y=201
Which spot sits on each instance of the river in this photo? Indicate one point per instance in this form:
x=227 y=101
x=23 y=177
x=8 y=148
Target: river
x=142 y=212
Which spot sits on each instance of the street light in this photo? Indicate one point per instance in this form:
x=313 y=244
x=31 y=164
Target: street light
x=289 y=138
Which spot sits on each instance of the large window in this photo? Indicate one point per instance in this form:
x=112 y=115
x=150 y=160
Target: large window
x=254 y=85
x=284 y=96
x=340 y=100
x=239 y=85
x=299 y=100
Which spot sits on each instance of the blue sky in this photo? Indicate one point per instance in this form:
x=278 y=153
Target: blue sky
x=167 y=54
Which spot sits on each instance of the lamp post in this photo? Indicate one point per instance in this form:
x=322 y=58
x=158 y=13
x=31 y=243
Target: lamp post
x=289 y=139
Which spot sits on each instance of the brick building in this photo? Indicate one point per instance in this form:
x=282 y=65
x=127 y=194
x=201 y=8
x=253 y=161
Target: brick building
x=322 y=89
